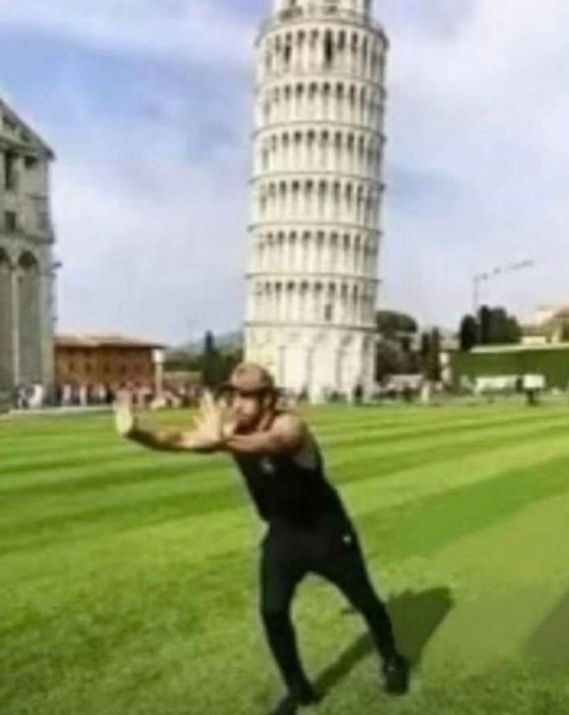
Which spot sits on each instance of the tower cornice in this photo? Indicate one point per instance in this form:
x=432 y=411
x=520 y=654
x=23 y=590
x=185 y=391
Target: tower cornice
x=272 y=24
x=321 y=12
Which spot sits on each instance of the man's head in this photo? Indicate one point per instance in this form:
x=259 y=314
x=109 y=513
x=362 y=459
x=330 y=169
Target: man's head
x=252 y=393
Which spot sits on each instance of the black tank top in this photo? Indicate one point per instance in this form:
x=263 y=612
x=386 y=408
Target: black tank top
x=284 y=491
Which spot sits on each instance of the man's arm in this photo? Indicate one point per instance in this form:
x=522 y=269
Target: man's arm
x=170 y=440
x=287 y=435
x=204 y=439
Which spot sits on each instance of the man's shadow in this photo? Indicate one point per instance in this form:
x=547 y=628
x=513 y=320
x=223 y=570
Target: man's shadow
x=549 y=644
x=415 y=617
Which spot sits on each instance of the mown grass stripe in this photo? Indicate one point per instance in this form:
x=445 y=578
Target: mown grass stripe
x=386 y=459
x=150 y=506
x=421 y=528
x=122 y=611
x=120 y=455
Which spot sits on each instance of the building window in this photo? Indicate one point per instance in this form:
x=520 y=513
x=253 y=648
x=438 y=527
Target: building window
x=8 y=124
x=10 y=174
x=328 y=49
x=10 y=221
x=30 y=162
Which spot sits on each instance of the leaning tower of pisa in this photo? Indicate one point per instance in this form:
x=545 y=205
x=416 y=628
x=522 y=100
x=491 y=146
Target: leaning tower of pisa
x=316 y=195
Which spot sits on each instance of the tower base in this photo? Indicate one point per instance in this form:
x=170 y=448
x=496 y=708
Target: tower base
x=315 y=362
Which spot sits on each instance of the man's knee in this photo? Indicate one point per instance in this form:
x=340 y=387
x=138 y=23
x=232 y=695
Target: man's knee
x=366 y=600
x=275 y=618
x=275 y=600
x=274 y=606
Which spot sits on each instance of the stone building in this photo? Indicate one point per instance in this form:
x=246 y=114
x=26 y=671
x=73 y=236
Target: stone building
x=549 y=325
x=111 y=361
x=316 y=195
x=26 y=258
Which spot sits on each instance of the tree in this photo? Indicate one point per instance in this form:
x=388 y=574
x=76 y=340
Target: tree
x=212 y=362
x=484 y=320
x=492 y=326
x=513 y=331
x=395 y=353
x=390 y=359
x=468 y=333
x=431 y=355
x=425 y=348
x=434 y=364
x=180 y=359
x=391 y=324
x=497 y=327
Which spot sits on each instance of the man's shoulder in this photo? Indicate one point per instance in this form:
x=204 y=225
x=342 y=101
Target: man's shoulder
x=290 y=422
x=293 y=427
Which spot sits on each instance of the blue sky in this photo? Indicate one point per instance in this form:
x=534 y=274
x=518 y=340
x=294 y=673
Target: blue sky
x=147 y=104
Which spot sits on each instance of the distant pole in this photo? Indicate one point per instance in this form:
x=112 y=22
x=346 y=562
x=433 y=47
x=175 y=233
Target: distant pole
x=158 y=358
x=493 y=273
x=476 y=282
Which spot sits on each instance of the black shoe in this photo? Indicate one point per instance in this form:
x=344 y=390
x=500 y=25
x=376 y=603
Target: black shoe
x=396 y=673
x=290 y=704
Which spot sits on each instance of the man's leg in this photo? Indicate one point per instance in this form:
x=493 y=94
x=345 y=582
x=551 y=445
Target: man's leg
x=282 y=569
x=339 y=560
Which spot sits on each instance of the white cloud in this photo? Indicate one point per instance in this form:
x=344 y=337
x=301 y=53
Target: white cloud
x=476 y=121
x=196 y=31
x=483 y=107
x=151 y=237
x=151 y=266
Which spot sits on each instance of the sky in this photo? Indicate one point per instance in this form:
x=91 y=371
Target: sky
x=148 y=106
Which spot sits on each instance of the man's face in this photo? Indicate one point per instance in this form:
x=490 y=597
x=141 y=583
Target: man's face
x=248 y=409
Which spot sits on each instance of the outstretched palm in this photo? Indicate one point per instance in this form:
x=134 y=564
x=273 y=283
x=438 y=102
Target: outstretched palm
x=211 y=422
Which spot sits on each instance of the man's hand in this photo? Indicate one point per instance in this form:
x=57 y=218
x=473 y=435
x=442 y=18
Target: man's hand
x=125 y=420
x=212 y=425
x=211 y=428
x=228 y=418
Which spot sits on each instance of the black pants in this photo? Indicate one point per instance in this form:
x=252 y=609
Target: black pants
x=331 y=550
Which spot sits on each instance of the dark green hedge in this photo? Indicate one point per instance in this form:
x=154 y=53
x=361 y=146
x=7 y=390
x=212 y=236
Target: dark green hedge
x=554 y=364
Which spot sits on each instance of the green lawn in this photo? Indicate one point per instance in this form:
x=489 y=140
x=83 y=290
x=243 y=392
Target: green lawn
x=128 y=579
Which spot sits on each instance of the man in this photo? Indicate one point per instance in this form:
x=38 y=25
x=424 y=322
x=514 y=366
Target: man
x=308 y=531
